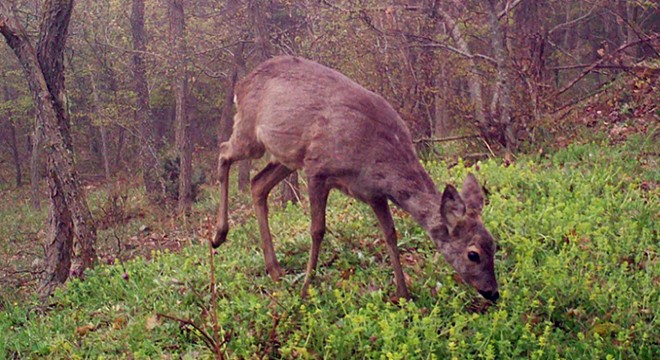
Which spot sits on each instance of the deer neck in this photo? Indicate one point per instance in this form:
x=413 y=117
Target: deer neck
x=417 y=195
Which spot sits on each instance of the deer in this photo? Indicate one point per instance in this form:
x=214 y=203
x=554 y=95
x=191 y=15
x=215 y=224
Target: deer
x=312 y=118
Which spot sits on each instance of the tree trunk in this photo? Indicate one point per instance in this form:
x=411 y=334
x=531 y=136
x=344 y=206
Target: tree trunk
x=35 y=166
x=474 y=83
x=442 y=126
x=121 y=136
x=45 y=77
x=180 y=86
x=426 y=69
x=101 y=125
x=59 y=242
x=13 y=144
x=631 y=19
x=244 y=167
x=154 y=187
x=226 y=119
x=50 y=54
x=260 y=25
x=15 y=155
x=290 y=189
x=501 y=102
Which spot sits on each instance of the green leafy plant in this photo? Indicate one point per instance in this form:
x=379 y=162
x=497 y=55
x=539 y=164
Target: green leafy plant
x=577 y=263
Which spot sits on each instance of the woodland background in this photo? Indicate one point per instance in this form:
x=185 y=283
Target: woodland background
x=136 y=96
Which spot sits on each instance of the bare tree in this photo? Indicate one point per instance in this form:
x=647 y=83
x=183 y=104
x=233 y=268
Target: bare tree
x=35 y=165
x=226 y=120
x=143 y=115
x=474 y=83
x=102 y=127
x=180 y=86
x=44 y=72
x=501 y=102
x=13 y=144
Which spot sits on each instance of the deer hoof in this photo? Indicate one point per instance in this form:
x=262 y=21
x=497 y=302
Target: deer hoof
x=275 y=272
x=220 y=237
x=304 y=293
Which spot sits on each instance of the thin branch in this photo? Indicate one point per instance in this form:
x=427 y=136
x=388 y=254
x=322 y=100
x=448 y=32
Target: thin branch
x=379 y=8
x=562 y=50
x=605 y=66
x=459 y=52
x=223 y=47
x=637 y=32
x=336 y=7
x=208 y=340
x=602 y=87
x=209 y=73
x=508 y=8
x=131 y=51
x=602 y=60
x=431 y=43
x=451 y=138
x=574 y=21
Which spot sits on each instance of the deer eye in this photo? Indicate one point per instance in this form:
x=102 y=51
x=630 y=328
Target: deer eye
x=473 y=256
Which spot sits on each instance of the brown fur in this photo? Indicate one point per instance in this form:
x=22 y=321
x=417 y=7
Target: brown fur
x=310 y=117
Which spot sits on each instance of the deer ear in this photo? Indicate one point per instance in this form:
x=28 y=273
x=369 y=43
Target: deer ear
x=452 y=208
x=472 y=194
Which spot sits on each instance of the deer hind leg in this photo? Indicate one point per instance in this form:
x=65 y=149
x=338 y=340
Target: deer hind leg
x=262 y=184
x=382 y=210
x=229 y=153
x=318 y=200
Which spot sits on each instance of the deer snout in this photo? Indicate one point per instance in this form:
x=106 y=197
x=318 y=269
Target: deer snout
x=490 y=295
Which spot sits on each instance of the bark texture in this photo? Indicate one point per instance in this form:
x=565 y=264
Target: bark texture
x=501 y=102
x=474 y=83
x=15 y=154
x=180 y=87
x=35 y=166
x=154 y=188
x=13 y=143
x=44 y=73
x=102 y=128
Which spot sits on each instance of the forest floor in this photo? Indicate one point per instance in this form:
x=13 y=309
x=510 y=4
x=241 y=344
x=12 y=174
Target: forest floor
x=576 y=221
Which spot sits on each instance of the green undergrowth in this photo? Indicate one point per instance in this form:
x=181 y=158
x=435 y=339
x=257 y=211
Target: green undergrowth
x=577 y=263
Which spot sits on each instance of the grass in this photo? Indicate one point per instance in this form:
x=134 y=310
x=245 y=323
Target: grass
x=577 y=263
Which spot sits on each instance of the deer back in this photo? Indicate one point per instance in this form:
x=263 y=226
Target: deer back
x=309 y=116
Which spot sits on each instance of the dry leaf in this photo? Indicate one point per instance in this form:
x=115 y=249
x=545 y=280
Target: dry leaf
x=153 y=321
x=83 y=330
x=119 y=322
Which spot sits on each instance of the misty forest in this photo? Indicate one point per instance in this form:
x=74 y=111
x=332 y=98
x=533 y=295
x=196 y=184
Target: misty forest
x=329 y=179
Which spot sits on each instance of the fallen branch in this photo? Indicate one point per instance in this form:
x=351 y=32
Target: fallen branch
x=208 y=340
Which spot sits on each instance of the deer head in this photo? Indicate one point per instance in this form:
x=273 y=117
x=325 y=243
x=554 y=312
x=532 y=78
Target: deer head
x=464 y=241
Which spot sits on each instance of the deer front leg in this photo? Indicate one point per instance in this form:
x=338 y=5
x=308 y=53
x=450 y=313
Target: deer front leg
x=382 y=210
x=318 y=200
x=222 y=225
x=262 y=184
